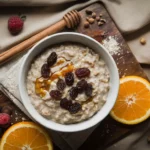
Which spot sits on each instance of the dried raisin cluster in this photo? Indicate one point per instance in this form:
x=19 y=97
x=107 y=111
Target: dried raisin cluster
x=70 y=106
x=51 y=60
x=82 y=85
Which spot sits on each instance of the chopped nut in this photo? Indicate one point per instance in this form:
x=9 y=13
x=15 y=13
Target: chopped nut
x=100 y=23
x=91 y=20
x=100 y=15
x=89 y=12
x=98 y=18
x=103 y=35
x=103 y=20
x=86 y=24
x=93 y=15
x=87 y=18
x=143 y=41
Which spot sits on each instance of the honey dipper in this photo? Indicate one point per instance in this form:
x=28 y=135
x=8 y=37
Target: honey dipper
x=70 y=20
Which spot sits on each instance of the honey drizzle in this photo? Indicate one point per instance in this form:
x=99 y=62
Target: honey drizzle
x=87 y=101
x=59 y=62
x=42 y=84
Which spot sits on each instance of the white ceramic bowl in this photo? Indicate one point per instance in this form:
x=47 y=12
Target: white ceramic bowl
x=95 y=46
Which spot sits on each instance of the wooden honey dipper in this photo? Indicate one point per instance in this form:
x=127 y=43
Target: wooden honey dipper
x=70 y=20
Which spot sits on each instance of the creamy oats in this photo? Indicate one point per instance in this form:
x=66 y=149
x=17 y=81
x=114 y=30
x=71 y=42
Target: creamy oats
x=70 y=57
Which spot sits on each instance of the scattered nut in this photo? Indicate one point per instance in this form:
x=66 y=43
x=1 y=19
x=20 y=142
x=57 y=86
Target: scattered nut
x=91 y=20
x=103 y=20
x=97 y=18
x=87 y=18
x=86 y=24
x=143 y=41
x=89 y=12
x=93 y=15
x=100 y=23
x=104 y=34
x=100 y=15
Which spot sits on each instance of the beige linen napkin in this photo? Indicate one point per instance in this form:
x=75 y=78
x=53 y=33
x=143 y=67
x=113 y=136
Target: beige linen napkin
x=129 y=16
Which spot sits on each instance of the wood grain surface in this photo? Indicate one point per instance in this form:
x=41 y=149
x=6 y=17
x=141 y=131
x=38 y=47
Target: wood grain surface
x=108 y=131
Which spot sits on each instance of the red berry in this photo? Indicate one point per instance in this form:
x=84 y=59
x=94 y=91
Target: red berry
x=4 y=118
x=15 y=25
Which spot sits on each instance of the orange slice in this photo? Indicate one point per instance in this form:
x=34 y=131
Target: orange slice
x=26 y=136
x=133 y=103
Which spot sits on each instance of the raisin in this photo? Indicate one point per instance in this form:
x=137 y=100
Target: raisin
x=68 y=105
x=82 y=72
x=56 y=94
x=65 y=103
x=61 y=84
x=45 y=71
x=81 y=85
x=74 y=108
x=51 y=60
x=69 y=78
x=73 y=92
x=88 y=90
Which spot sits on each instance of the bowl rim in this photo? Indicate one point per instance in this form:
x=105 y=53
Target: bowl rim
x=71 y=127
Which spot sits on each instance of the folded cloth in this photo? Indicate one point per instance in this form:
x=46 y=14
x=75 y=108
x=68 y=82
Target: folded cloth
x=33 y=2
x=38 y=18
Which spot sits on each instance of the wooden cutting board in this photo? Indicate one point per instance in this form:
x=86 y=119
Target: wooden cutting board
x=109 y=131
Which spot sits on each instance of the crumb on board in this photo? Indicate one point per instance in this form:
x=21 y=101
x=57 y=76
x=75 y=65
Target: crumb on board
x=111 y=45
x=23 y=119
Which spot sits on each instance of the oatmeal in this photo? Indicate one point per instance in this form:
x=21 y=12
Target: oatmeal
x=68 y=83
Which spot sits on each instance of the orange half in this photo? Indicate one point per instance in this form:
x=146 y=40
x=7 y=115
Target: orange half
x=133 y=103
x=26 y=136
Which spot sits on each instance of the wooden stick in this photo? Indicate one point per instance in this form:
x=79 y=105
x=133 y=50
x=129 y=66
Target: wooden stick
x=69 y=21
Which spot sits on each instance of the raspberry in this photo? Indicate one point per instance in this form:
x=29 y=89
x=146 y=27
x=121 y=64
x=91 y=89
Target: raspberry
x=4 y=118
x=15 y=24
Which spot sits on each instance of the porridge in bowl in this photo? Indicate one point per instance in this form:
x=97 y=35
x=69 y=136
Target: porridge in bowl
x=68 y=83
